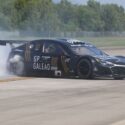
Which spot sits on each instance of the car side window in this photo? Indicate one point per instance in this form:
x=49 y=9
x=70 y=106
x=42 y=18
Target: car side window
x=52 y=48
x=38 y=47
x=49 y=48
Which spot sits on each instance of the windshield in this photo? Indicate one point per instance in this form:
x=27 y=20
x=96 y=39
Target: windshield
x=87 y=50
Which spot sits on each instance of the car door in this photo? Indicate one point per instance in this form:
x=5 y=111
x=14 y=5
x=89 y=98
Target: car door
x=40 y=63
x=58 y=59
x=35 y=64
x=47 y=57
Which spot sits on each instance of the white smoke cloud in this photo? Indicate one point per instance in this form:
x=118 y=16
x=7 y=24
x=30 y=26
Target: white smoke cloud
x=5 y=50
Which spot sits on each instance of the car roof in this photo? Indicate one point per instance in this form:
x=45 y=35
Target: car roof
x=62 y=40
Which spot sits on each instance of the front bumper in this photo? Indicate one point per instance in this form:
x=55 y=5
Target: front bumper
x=114 y=71
x=118 y=71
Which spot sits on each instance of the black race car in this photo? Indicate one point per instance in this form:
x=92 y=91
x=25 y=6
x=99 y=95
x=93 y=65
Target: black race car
x=62 y=58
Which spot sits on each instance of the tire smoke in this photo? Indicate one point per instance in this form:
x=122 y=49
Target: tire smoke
x=4 y=52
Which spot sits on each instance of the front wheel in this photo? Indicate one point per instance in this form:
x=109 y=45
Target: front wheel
x=85 y=69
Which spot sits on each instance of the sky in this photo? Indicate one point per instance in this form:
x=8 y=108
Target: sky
x=119 y=2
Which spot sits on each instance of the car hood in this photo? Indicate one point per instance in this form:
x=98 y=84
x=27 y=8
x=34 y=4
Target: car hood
x=120 y=60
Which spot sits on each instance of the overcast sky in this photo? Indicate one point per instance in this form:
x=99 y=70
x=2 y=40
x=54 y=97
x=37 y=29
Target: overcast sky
x=119 y=2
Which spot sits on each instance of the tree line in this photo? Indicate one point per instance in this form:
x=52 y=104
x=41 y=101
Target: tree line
x=47 y=16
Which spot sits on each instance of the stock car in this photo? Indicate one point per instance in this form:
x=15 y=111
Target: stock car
x=63 y=58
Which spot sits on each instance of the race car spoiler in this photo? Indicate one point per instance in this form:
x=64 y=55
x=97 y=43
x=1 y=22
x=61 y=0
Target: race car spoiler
x=5 y=42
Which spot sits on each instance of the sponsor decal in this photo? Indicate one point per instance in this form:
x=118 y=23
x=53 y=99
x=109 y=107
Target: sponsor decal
x=36 y=59
x=54 y=68
x=41 y=66
x=45 y=63
x=40 y=63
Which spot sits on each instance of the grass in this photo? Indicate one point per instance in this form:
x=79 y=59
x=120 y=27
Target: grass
x=106 y=41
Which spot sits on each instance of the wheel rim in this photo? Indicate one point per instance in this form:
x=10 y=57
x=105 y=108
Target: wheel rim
x=84 y=69
x=19 y=68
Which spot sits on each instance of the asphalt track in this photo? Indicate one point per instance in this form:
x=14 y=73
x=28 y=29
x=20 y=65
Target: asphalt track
x=49 y=101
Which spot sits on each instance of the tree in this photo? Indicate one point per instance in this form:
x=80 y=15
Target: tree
x=46 y=16
x=5 y=14
x=38 y=15
x=67 y=15
x=114 y=17
x=89 y=20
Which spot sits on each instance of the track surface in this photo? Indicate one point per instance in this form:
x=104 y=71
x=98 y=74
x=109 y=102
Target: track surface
x=47 y=101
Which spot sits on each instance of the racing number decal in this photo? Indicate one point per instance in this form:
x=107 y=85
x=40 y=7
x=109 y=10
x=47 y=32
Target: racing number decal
x=27 y=53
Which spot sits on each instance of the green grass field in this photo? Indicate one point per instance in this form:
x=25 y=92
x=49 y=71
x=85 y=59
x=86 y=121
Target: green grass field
x=106 y=41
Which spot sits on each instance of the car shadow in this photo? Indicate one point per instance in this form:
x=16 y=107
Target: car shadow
x=73 y=78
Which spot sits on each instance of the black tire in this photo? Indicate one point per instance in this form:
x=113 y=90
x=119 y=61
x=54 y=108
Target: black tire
x=85 y=69
x=18 y=67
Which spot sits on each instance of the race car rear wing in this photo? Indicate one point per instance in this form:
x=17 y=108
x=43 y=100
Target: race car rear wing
x=5 y=42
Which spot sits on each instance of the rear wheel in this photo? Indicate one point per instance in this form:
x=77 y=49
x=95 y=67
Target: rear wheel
x=85 y=69
x=17 y=66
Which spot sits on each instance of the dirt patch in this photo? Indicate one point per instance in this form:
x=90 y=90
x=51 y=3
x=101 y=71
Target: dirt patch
x=13 y=79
